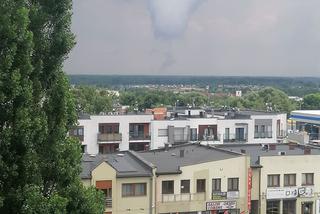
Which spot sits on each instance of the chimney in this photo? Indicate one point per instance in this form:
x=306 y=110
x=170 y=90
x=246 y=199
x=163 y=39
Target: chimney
x=307 y=151
x=181 y=153
x=272 y=147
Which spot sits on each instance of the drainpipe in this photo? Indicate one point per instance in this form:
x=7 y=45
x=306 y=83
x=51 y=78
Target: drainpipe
x=151 y=192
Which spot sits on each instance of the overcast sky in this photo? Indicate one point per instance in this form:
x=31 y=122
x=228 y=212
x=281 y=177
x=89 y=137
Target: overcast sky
x=196 y=37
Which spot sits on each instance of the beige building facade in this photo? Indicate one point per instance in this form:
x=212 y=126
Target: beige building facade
x=196 y=179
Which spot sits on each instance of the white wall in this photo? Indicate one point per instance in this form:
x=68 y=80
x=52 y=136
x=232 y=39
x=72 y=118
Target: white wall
x=91 y=129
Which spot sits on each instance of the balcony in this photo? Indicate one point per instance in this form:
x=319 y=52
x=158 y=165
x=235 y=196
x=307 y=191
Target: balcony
x=281 y=134
x=139 y=137
x=209 y=137
x=109 y=137
x=165 y=198
x=263 y=135
x=233 y=138
x=108 y=202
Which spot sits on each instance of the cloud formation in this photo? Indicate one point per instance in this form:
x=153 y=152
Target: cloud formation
x=194 y=37
x=170 y=17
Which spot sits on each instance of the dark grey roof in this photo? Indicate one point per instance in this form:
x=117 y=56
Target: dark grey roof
x=125 y=163
x=168 y=162
x=257 y=150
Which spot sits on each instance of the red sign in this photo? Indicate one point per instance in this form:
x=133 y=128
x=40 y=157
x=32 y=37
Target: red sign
x=249 y=188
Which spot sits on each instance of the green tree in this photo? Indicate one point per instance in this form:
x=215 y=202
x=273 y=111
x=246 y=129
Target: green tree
x=268 y=99
x=39 y=164
x=311 y=102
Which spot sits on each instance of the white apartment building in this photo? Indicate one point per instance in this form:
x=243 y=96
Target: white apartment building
x=219 y=128
x=110 y=133
x=138 y=132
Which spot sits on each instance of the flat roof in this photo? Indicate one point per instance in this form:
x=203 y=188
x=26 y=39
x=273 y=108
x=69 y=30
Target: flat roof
x=168 y=161
x=259 y=150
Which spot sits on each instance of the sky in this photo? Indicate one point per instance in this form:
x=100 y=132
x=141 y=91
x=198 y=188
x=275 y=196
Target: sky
x=196 y=37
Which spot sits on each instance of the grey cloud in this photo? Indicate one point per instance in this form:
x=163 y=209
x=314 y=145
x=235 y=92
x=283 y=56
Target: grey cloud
x=170 y=17
x=225 y=37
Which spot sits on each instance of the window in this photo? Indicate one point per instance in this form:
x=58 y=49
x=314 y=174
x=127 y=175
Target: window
x=233 y=184
x=273 y=207
x=162 y=132
x=167 y=187
x=201 y=185
x=84 y=148
x=185 y=186
x=216 y=185
x=307 y=178
x=289 y=206
x=289 y=179
x=137 y=189
x=273 y=180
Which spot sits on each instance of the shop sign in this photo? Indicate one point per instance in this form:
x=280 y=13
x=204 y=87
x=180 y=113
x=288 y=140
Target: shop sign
x=249 y=185
x=305 y=192
x=290 y=192
x=233 y=194
x=221 y=205
x=219 y=195
x=282 y=193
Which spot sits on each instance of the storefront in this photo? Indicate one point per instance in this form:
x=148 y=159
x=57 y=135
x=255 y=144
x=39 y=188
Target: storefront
x=222 y=207
x=289 y=200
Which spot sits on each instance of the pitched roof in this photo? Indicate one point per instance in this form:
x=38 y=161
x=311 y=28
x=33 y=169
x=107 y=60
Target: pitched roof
x=168 y=161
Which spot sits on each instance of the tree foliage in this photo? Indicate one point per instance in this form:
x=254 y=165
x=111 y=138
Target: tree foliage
x=92 y=100
x=311 y=102
x=39 y=165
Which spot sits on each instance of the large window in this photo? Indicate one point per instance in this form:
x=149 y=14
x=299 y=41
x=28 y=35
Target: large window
x=185 y=186
x=167 y=187
x=289 y=206
x=233 y=184
x=289 y=179
x=201 y=185
x=216 y=185
x=136 y=189
x=273 y=207
x=307 y=178
x=273 y=180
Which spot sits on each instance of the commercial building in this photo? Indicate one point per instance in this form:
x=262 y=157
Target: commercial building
x=181 y=179
x=304 y=126
x=285 y=177
x=194 y=179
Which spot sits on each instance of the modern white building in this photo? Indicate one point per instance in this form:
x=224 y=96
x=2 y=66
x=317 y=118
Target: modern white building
x=109 y=133
x=304 y=126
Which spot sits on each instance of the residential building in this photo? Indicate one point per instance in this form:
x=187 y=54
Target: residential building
x=143 y=131
x=188 y=179
x=110 y=133
x=193 y=179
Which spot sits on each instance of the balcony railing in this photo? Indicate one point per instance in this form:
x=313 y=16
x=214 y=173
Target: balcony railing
x=109 y=137
x=139 y=137
x=281 y=134
x=209 y=137
x=235 y=138
x=263 y=135
x=183 y=197
x=108 y=202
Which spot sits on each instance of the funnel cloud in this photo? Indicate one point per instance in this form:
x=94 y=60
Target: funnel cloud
x=170 y=17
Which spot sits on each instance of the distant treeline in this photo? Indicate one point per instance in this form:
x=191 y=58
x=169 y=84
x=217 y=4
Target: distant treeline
x=295 y=86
